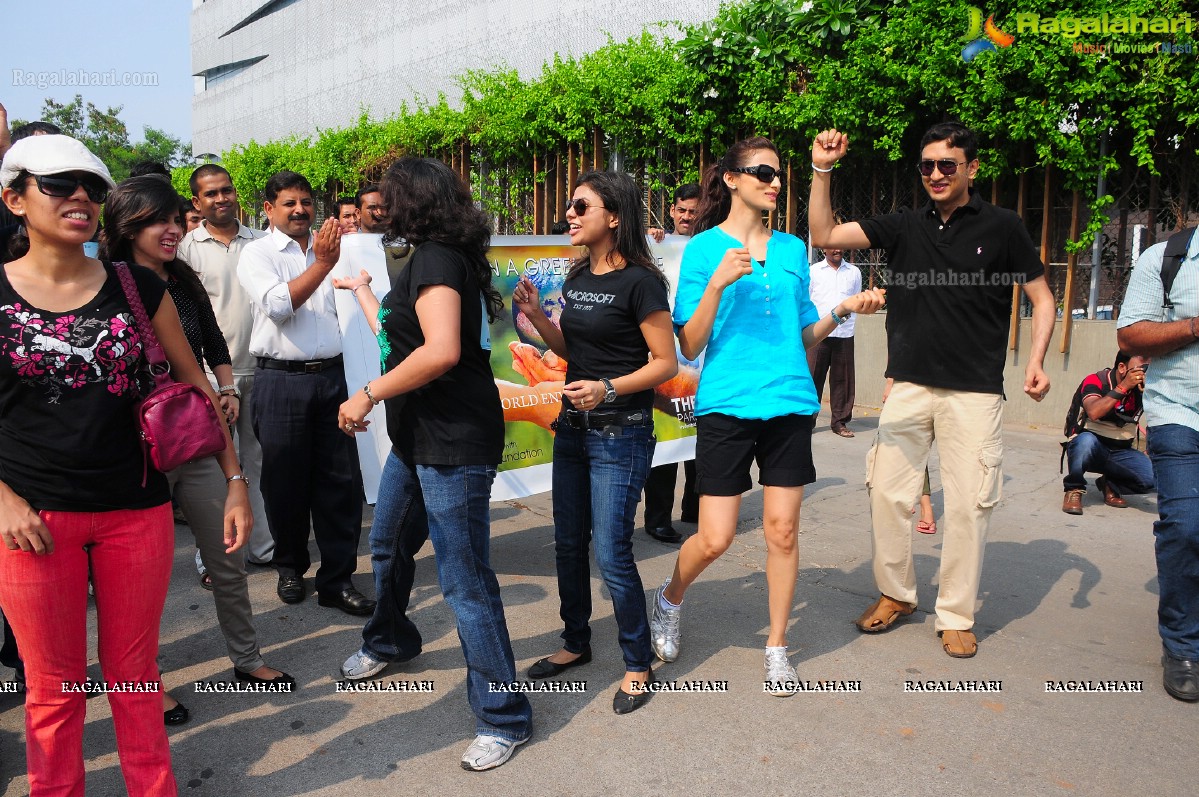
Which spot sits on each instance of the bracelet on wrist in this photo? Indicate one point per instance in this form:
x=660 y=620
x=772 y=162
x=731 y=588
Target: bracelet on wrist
x=1117 y=394
x=237 y=477
x=231 y=394
x=1194 y=334
x=356 y=287
x=367 y=390
x=226 y=388
x=816 y=168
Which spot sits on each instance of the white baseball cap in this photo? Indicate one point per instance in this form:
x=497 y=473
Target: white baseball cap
x=43 y=155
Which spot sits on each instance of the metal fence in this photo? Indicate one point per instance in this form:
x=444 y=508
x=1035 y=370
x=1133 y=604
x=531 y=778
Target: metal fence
x=528 y=196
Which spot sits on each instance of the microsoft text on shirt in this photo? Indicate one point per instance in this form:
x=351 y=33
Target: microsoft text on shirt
x=939 y=279
x=591 y=297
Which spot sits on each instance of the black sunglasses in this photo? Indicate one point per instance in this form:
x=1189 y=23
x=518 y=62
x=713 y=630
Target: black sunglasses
x=65 y=185
x=763 y=172
x=946 y=167
x=580 y=206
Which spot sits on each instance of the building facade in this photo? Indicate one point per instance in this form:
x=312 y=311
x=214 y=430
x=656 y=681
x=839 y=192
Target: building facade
x=268 y=69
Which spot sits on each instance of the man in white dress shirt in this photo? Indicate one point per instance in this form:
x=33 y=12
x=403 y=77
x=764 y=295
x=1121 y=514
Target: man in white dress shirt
x=832 y=281
x=310 y=472
x=213 y=249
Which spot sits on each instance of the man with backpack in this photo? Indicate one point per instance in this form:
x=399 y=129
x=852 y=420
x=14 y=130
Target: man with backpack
x=1101 y=427
x=1159 y=320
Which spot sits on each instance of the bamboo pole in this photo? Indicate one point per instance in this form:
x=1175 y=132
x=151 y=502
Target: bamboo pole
x=597 y=150
x=552 y=167
x=1071 y=262
x=792 y=222
x=572 y=169
x=538 y=197
x=464 y=159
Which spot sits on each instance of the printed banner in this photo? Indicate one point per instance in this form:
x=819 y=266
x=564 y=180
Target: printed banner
x=529 y=376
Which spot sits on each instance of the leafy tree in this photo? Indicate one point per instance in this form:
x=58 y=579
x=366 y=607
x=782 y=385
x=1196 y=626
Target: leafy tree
x=105 y=134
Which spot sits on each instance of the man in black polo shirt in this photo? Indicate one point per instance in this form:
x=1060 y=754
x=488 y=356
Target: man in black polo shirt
x=952 y=265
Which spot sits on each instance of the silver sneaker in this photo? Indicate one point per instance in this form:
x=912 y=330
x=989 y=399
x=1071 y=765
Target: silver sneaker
x=664 y=628
x=488 y=752
x=781 y=678
x=361 y=665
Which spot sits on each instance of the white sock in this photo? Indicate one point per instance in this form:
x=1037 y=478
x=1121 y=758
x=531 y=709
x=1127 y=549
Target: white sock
x=662 y=600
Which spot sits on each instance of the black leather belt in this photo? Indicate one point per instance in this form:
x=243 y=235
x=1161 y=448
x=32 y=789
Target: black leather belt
x=598 y=420
x=299 y=366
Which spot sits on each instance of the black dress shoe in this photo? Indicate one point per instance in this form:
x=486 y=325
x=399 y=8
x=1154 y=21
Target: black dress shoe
x=625 y=703
x=246 y=677
x=1180 y=677
x=176 y=716
x=290 y=589
x=349 y=600
x=664 y=534
x=544 y=668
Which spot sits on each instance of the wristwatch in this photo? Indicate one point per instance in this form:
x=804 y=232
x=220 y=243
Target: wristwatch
x=838 y=319
x=609 y=391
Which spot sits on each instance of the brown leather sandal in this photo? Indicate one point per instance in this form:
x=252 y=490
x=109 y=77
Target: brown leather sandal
x=959 y=644
x=883 y=614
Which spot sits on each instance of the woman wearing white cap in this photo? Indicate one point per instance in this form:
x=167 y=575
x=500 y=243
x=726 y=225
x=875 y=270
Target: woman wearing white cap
x=74 y=494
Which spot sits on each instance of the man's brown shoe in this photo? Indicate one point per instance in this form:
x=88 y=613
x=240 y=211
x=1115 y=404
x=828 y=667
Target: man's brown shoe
x=1110 y=496
x=1072 y=503
x=883 y=614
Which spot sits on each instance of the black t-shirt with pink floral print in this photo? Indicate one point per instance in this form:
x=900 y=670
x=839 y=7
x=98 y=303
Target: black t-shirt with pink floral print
x=68 y=389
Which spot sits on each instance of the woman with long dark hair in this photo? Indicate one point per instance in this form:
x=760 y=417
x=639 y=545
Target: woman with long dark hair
x=143 y=225
x=447 y=431
x=76 y=492
x=743 y=298
x=616 y=338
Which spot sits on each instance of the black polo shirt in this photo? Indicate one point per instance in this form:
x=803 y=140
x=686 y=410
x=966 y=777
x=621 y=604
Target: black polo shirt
x=949 y=300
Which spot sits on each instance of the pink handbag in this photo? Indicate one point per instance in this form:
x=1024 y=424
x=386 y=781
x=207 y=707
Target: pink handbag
x=178 y=422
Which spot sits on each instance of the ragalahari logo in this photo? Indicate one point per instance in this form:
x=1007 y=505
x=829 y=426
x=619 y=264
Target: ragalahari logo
x=983 y=36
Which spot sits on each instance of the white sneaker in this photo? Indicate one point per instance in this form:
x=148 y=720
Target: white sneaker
x=362 y=665
x=664 y=628
x=781 y=678
x=488 y=752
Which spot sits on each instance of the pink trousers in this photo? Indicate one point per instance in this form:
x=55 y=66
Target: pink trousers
x=45 y=600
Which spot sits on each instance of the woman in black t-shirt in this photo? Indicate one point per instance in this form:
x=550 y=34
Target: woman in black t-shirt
x=76 y=492
x=143 y=224
x=447 y=432
x=616 y=338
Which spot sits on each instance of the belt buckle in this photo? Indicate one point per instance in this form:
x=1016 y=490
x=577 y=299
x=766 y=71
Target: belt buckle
x=313 y=367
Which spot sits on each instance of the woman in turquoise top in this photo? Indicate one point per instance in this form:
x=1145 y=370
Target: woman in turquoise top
x=743 y=298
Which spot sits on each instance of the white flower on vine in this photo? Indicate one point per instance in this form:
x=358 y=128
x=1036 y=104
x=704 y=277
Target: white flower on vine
x=806 y=7
x=717 y=41
x=757 y=52
x=711 y=94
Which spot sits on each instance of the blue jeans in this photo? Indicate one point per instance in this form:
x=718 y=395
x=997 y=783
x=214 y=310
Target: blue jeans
x=449 y=505
x=598 y=477
x=1174 y=450
x=1127 y=470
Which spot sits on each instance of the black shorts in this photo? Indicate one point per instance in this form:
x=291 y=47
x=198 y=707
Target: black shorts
x=725 y=446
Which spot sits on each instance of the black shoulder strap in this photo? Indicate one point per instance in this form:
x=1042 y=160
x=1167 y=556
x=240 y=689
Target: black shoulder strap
x=1176 y=250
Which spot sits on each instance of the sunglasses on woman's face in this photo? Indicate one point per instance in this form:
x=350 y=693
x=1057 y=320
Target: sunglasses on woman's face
x=763 y=172
x=65 y=185
x=580 y=206
x=946 y=167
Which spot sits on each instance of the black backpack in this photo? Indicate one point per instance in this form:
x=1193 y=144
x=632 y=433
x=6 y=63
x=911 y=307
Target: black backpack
x=1176 y=250
x=1076 y=415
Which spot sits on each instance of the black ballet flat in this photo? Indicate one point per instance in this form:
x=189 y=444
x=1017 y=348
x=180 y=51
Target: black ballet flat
x=544 y=668
x=176 y=716
x=625 y=703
